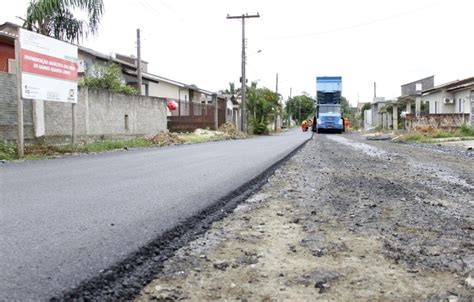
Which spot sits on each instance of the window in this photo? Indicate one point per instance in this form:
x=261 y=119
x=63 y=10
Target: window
x=436 y=107
x=460 y=105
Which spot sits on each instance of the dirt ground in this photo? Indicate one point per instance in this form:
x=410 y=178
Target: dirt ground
x=344 y=219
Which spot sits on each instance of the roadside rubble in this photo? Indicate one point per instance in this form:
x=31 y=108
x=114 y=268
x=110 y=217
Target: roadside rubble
x=342 y=226
x=165 y=139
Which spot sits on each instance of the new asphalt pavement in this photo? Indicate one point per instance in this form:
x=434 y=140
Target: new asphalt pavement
x=66 y=220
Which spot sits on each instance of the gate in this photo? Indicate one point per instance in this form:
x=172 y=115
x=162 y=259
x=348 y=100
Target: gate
x=190 y=116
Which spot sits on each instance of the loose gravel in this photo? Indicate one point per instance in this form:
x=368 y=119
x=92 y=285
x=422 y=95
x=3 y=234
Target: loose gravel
x=343 y=219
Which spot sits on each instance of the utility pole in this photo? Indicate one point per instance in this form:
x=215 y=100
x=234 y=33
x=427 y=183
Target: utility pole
x=139 y=63
x=243 y=79
x=289 y=111
x=277 y=113
x=375 y=90
x=276 y=88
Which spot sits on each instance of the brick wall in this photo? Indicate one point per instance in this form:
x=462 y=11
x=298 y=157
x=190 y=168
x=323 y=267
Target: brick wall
x=8 y=110
x=438 y=121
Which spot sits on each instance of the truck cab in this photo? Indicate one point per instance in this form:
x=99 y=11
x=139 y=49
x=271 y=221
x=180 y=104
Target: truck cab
x=328 y=115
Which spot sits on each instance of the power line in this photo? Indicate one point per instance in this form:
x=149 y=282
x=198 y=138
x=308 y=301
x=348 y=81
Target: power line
x=354 y=26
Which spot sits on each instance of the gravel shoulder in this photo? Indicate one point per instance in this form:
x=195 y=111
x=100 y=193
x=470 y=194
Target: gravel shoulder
x=343 y=219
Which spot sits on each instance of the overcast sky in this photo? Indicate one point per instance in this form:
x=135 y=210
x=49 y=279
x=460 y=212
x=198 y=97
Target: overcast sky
x=364 y=41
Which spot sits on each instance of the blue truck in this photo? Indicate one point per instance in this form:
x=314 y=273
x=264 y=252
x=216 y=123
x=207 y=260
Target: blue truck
x=328 y=115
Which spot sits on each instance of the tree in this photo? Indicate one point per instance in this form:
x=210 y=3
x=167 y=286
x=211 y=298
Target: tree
x=55 y=18
x=301 y=107
x=262 y=105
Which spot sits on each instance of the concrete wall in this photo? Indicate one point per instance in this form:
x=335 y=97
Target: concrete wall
x=472 y=107
x=367 y=119
x=8 y=110
x=99 y=114
x=410 y=88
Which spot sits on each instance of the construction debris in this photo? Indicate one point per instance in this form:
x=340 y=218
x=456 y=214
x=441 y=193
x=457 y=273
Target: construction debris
x=165 y=139
x=230 y=132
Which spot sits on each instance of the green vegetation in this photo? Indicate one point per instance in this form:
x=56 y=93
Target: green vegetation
x=107 y=77
x=7 y=151
x=45 y=151
x=301 y=107
x=430 y=135
x=57 y=18
x=262 y=105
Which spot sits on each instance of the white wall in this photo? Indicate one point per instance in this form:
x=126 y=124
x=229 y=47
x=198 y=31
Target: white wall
x=458 y=96
x=462 y=101
x=368 y=119
x=167 y=90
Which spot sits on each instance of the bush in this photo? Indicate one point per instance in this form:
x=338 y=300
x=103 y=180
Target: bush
x=7 y=151
x=259 y=127
x=466 y=130
x=108 y=77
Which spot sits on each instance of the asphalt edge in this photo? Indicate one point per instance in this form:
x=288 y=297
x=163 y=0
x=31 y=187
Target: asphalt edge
x=126 y=279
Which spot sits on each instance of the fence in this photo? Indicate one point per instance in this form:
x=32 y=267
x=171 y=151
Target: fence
x=449 y=120
x=190 y=115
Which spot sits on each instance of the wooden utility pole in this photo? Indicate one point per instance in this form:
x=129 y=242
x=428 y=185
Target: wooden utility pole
x=243 y=79
x=139 y=63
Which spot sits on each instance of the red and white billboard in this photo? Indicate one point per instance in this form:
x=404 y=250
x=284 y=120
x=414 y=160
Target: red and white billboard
x=48 y=68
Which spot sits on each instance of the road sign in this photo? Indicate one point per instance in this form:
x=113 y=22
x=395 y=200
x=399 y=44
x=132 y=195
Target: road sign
x=48 y=68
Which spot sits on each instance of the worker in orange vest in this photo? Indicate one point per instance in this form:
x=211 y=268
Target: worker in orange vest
x=304 y=125
x=346 y=123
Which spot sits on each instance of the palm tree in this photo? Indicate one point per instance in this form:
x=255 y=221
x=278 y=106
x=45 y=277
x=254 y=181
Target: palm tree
x=55 y=18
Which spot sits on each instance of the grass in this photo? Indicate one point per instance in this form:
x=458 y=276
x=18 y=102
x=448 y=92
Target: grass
x=32 y=152
x=430 y=135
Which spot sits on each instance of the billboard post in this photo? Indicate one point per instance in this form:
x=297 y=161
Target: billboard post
x=19 y=102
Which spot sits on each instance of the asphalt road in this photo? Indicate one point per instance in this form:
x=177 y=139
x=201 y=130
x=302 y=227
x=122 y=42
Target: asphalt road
x=65 y=220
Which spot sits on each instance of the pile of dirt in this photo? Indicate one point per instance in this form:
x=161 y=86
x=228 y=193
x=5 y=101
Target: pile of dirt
x=425 y=129
x=165 y=139
x=44 y=150
x=231 y=132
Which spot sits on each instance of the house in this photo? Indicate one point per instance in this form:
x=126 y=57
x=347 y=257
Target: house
x=232 y=108
x=445 y=106
x=7 y=47
x=389 y=111
x=452 y=97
